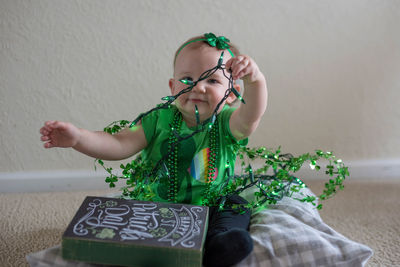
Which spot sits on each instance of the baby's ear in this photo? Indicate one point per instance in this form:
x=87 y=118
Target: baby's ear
x=171 y=84
x=232 y=97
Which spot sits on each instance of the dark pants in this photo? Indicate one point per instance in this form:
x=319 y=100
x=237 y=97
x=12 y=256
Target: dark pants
x=225 y=221
x=221 y=221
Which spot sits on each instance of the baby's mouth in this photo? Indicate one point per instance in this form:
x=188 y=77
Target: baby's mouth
x=197 y=100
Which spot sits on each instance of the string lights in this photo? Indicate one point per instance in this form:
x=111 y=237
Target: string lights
x=272 y=181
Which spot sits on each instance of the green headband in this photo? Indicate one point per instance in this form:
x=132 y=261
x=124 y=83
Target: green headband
x=220 y=42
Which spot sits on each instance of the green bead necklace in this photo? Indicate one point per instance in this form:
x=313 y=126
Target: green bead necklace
x=172 y=159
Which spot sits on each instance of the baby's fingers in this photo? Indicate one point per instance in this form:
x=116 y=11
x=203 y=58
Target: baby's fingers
x=228 y=64
x=45 y=138
x=51 y=125
x=45 y=130
x=237 y=65
x=48 y=145
x=245 y=70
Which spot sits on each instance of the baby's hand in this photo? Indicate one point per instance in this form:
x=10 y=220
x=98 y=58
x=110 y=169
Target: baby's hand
x=245 y=68
x=59 y=134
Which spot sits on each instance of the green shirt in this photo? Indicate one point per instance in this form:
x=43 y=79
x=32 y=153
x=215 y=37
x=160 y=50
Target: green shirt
x=192 y=153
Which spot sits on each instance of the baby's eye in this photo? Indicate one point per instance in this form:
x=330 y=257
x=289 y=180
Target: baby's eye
x=213 y=81
x=188 y=78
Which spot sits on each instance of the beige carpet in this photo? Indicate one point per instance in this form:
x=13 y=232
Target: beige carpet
x=366 y=211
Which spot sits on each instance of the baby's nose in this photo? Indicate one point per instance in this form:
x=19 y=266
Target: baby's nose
x=199 y=88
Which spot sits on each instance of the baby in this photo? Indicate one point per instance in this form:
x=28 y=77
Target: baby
x=199 y=162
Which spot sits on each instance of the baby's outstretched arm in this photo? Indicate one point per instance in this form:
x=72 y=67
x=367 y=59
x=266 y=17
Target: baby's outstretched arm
x=100 y=145
x=245 y=119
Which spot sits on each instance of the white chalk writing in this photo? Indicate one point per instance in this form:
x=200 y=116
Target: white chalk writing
x=144 y=218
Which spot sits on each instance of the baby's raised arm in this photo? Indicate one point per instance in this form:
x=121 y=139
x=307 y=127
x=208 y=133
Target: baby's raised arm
x=245 y=119
x=98 y=144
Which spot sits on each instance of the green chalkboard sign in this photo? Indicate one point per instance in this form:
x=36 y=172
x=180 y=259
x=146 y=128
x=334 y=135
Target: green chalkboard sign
x=136 y=233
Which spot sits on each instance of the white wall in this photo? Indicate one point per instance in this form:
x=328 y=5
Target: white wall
x=333 y=70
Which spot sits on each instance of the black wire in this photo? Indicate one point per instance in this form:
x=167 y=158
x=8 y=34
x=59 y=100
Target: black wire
x=202 y=126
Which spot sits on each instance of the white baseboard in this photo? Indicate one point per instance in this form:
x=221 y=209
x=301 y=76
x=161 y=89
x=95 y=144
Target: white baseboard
x=49 y=181
x=362 y=170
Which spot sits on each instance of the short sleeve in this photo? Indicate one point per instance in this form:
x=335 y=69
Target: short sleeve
x=156 y=124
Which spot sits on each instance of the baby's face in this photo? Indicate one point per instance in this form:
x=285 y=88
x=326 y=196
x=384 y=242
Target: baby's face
x=189 y=65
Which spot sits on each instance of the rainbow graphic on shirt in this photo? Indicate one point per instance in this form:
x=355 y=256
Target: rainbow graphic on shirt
x=199 y=167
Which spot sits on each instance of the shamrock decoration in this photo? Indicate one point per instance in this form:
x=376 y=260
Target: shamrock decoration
x=106 y=233
x=220 y=42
